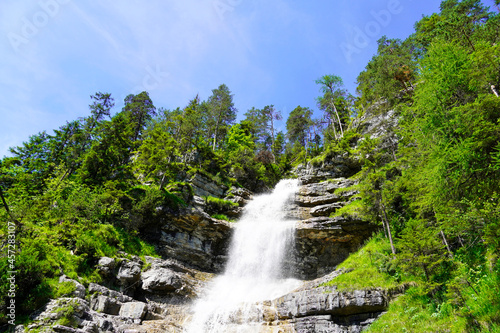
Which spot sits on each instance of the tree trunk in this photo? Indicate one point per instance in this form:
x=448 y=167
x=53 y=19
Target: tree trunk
x=338 y=118
x=393 y=249
x=493 y=88
x=215 y=133
x=162 y=181
x=446 y=243
x=4 y=202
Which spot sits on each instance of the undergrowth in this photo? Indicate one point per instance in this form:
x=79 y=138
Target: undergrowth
x=370 y=267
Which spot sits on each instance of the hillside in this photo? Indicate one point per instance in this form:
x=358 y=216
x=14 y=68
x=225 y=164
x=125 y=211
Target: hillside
x=128 y=213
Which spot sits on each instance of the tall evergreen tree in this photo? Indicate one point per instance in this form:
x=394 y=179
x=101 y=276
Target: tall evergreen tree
x=222 y=113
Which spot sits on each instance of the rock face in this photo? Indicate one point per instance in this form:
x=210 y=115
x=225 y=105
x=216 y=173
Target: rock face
x=191 y=237
x=162 y=290
x=203 y=186
x=155 y=295
x=322 y=242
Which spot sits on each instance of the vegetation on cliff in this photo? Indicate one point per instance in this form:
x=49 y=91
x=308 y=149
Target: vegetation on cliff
x=432 y=180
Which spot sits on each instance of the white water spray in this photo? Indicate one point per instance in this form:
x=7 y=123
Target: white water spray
x=254 y=271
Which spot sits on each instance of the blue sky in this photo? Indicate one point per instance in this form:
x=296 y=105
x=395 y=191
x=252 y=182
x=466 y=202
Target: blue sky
x=54 y=54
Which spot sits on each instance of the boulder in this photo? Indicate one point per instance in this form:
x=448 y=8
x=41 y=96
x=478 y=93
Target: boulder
x=97 y=290
x=161 y=280
x=106 y=266
x=79 y=288
x=129 y=272
x=327 y=300
x=105 y=304
x=133 y=310
x=326 y=210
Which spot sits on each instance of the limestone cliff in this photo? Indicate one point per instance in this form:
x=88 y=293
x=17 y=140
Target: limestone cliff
x=155 y=294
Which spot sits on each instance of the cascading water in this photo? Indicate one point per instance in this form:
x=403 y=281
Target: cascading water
x=254 y=271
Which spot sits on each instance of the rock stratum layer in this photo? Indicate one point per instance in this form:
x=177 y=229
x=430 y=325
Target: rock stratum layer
x=155 y=294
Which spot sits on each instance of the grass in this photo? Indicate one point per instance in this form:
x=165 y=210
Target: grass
x=222 y=217
x=368 y=268
x=413 y=312
x=354 y=209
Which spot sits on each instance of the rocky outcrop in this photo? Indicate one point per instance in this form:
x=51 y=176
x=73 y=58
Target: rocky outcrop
x=192 y=237
x=315 y=307
x=324 y=309
x=204 y=186
x=322 y=242
x=161 y=291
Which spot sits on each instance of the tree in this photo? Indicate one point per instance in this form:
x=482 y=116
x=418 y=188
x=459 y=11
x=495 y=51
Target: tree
x=297 y=125
x=101 y=107
x=237 y=142
x=390 y=75
x=222 y=113
x=256 y=123
x=108 y=157
x=278 y=146
x=156 y=156
x=333 y=97
x=271 y=114
x=140 y=110
x=421 y=250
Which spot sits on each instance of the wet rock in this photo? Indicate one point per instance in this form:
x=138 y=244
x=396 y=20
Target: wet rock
x=311 y=201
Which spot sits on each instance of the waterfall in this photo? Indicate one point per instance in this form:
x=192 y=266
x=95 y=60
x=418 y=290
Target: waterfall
x=254 y=271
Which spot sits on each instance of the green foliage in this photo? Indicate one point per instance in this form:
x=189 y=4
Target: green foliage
x=222 y=217
x=298 y=123
x=336 y=103
x=222 y=113
x=390 y=74
x=421 y=252
x=66 y=313
x=370 y=267
x=415 y=312
x=217 y=206
x=65 y=289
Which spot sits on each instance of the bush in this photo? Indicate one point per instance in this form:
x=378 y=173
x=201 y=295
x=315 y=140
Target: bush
x=215 y=205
